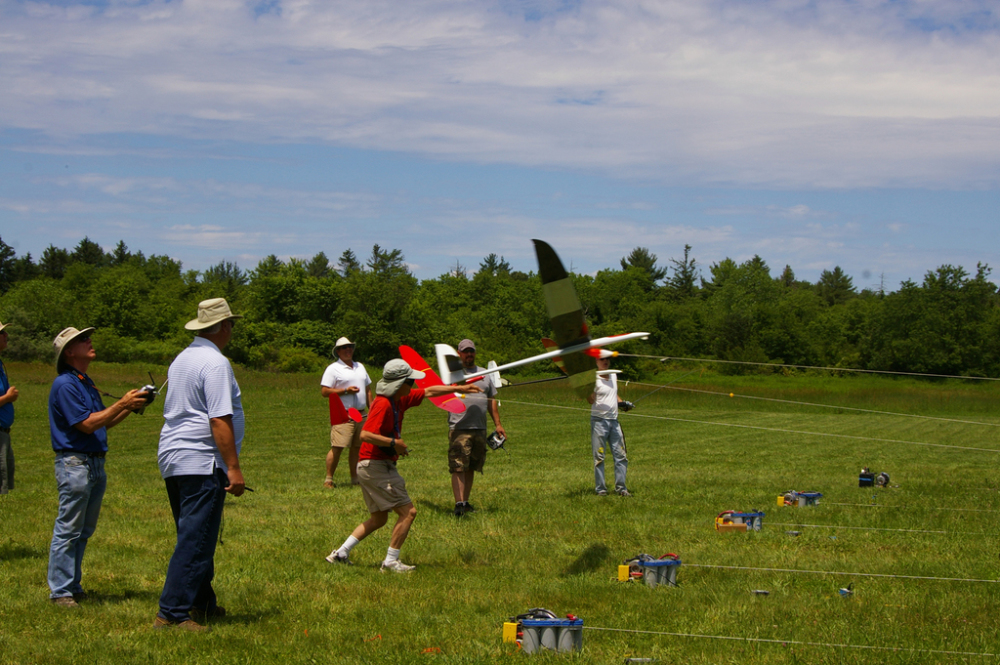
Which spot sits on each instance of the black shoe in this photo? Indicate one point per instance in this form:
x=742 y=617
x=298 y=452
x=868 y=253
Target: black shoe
x=459 y=509
x=469 y=508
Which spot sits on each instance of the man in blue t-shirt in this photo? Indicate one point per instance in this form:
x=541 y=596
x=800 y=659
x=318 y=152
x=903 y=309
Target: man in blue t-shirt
x=8 y=395
x=78 y=422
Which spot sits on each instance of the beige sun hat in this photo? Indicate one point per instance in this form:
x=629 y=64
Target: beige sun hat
x=3 y=325
x=343 y=341
x=210 y=312
x=67 y=336
x=394 y=373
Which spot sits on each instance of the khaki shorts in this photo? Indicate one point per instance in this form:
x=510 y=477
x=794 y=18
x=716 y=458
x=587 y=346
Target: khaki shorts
x=466 y=450
x=346 y=435
x=381 y=485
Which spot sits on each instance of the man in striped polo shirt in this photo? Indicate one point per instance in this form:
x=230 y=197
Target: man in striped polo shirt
x=199 y=461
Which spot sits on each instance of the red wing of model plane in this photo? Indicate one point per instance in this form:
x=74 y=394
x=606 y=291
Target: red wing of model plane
x=340 y=415
x=450 y=402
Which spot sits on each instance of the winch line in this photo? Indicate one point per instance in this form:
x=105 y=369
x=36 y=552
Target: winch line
x=876 y=528
x=832 y=369
x=824 y=406
x=764 y=640
x=936 y=508
x=970 y=580
x=771 y=429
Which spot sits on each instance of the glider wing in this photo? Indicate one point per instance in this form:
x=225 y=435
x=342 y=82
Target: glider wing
x=450 y=402
x=339 y=415
x=566 y=314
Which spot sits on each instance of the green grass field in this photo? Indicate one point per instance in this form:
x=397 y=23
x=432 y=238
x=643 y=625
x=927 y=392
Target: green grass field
x=540 y=537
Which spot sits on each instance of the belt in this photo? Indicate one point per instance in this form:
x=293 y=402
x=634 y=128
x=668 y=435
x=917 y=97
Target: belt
x=5 y=430
x=97 y=455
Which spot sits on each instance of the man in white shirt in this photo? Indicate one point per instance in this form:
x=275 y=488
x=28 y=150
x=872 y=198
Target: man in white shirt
x=199 y=460
x=605 y=430
x=348 y=381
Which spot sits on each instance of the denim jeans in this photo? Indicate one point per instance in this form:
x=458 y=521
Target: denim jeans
x=608 y=432
x=6 y=463
x=196 y=502
x=82 y=481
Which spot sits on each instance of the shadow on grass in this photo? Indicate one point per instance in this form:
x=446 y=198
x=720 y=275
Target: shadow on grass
x=98 y=598
x=243 y=618
x=591 y=559
x=446 y=508
x=11 y=551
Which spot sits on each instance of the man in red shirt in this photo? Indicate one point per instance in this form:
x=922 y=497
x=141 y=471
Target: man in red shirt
x=384 y=490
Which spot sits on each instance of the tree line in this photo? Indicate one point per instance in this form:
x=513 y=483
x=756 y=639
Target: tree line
x=949 y=323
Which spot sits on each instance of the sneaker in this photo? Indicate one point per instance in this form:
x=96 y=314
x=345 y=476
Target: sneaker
x=189 y=625
x=328 y=483
x=469 y=508
x=601 y=493
x=64 y=601
x=336 y=557
x=396 y=567
x=459 y=509
x=624 y=493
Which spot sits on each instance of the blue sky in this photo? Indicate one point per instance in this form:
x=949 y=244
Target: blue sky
x=863 y=134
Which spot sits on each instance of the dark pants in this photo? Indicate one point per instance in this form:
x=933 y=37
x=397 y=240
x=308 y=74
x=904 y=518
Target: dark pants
x=6 y=463
x=196 y=502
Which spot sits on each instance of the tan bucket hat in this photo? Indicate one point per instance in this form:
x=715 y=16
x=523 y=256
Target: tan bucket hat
x=210 y=312
x=64 y=338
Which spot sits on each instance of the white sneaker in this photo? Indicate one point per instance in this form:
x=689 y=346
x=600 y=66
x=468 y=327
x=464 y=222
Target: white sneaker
x=336 y=557
x=396 y=567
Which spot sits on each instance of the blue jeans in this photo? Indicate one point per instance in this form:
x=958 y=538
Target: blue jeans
x=196 y=502
x=6 y=463
x=82 y=481
x=608 y=433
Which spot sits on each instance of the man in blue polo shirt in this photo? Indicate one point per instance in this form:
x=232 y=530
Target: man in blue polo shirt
x=78 y=422
x=8 y=395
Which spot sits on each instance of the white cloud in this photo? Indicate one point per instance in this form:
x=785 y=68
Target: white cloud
x=782 y=93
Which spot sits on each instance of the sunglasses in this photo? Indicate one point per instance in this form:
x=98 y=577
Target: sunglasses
x=409 y=382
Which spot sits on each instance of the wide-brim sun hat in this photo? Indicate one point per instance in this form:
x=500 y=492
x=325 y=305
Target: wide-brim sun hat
x=65 y=338
x=343 y=341
x=210 y=312
x=3 y=325
x=394 y=373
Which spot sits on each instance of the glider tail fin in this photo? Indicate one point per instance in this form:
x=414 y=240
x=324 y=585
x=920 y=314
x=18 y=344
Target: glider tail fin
x=498 y=381
x=449 y=364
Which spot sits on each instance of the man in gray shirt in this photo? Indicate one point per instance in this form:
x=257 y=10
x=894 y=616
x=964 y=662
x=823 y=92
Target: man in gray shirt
x=467 y=432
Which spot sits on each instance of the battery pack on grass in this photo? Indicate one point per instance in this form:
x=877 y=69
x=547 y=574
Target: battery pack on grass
x=866 y=478
x=539 y=629
x=731 y=520
x=654 y=572
x=551 y=635
x=793 y=498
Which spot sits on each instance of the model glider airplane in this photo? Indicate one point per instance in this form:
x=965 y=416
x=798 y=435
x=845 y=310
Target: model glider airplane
x=451 y=403
x=340 y=415
x=574 y=347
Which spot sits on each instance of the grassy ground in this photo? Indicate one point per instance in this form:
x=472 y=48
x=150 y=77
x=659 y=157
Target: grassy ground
x=540 y=537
